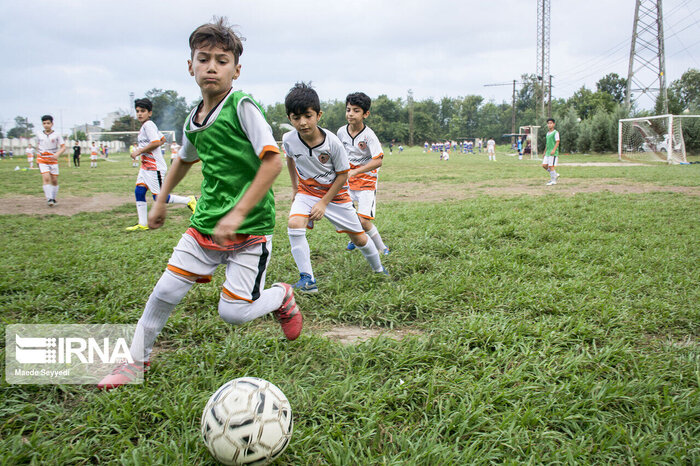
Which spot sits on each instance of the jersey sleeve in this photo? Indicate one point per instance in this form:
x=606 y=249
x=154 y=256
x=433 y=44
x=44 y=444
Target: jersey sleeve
x=556 y=136
x=256 y=128
x=338 y=155
x=152 y=132
x=375 y=147
x=187 y=153
x=60 y=141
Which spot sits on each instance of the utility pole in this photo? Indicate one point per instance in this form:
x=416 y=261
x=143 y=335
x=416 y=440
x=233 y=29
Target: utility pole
x=410 y=117
x=512 y=117
x=549 y=99
x=647 y=56
x=543 y=33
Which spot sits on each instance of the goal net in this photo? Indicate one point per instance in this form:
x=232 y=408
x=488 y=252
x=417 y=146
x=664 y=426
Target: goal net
x=120 y=141
x=530 y=138
x=657 y=138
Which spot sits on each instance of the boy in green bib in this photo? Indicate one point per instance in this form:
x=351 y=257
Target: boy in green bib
x=235 y=217
x=551 y=152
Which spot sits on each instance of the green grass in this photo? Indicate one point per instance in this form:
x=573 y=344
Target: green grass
x=547 y=328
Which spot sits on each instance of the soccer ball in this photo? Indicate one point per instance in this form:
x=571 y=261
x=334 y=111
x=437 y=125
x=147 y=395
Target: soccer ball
x=247 y=420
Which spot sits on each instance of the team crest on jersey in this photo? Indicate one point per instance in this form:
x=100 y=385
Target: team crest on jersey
x=324 y=157
x=362 y=145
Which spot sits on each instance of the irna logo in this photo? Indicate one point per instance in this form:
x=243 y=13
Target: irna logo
x=71 y=350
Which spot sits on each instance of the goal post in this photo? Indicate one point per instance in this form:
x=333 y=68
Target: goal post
x=530 y=132
x=119 y=141
x=652 y=138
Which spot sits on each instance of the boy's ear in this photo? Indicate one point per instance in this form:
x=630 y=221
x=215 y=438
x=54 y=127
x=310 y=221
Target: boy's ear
x=189 y=67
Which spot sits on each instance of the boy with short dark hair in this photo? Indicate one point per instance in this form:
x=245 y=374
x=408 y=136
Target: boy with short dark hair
x=50 y=146
x=551 y=152
x=318 y=167
x=153 y=167
x=365 y=155
x=235 y=217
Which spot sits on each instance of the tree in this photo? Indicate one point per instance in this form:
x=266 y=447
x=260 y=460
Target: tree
x=687 y=90
x=586 y=102
x=169 y=110
x=23 y=128
x=80 y=136
x=613 y=85
x=125 y=123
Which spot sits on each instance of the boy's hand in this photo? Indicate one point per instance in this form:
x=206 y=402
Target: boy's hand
x=135 y=154
x=156 y=216
x=225 y=230
x=318 y=210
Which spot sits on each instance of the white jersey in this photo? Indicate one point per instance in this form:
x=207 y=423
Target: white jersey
x=317 y=167
x=151 y=160
x=30 y=152
x=48 y=145
x=491 y=145
x=362 y=149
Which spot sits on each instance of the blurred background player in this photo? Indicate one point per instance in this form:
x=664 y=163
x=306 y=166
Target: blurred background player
x=173 y=151
x=318 y=167
x=365 y=156
x=153 y=166
x=551 y=152
x=30 y=156
x=76 y=154
x=50 y=146
x=491 y=149
x=93 y=155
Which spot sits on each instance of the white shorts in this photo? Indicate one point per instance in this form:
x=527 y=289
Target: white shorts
x=491 y=151
x=366 y=201
x=342 y=216
x=152 y=179
x=550 y=160
x=30 y=159
x=93 y=158
x=51 y=168
x=245 y=268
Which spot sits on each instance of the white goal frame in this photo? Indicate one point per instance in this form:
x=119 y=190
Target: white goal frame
x=669 y=146
x=121 y=133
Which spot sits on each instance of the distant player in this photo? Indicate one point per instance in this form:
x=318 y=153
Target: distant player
x=365 y=155
x=235 y=218
x=491 y=149
x=425 y=147
x=134 y=163
x=30 y=156
x=76 y=154
x=50 y=146
x=173 y=151
x=93 y=155
x=318 y=167
x=551 y=152
x=153 y=166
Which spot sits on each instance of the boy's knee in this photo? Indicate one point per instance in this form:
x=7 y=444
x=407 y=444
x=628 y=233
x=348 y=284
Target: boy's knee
x=171 y=288
x=233 y=311
x=296 y=231
x=297 y=222
x=140 y=193
x=366 y=223
x=359 y=239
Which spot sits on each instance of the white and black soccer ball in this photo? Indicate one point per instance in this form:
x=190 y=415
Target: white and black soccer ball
x=247 y=421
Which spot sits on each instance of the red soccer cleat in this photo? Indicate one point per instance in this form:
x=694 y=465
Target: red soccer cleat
x=122 y=375
x=288 y=314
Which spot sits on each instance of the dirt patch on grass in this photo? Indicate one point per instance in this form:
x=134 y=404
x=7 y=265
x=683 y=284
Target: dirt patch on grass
x=435 y=192
x=351 y=335
x=67 y=205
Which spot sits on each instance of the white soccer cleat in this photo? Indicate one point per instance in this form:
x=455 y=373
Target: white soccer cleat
x=551 y=183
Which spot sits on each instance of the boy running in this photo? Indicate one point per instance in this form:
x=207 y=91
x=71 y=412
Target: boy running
x=365 y=156
x=235 y=217
x=551 y=152
x=50 y=146
x=318 y=167
x=153 y=166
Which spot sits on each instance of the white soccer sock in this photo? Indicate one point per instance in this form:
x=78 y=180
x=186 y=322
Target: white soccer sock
x=47 y=191
x=376 y=238
x=238 y=312
x=142 y=211
x=167 y=293
x=300 y=250
x=54 y=192
x=175 y=199
x=370 y=252
x=553 y=175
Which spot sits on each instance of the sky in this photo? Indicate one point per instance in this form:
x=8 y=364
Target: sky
x=79 y=60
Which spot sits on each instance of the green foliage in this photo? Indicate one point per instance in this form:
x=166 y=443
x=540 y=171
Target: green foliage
x=126 y=123
x=23 y=128
x=170 y=110
x=613 y=85
x=687 y=90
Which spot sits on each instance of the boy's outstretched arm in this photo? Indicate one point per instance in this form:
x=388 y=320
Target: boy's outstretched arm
x=291 y=168
x=157 y=214
x=371 y=165
x=319 y=209
x=270 y=168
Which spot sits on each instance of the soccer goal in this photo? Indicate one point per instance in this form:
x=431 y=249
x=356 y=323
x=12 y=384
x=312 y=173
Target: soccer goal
x=654 y=138
x=530 y=133
x=119 y=141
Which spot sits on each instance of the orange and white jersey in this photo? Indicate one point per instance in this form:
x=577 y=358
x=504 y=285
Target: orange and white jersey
x=174 y=148
x=317 y=167
x=48 y=145
x=93 y=151
x=30 y=153
x=151 y=160
x=362 y=149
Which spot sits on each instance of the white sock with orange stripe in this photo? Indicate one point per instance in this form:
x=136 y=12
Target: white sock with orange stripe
x=300 y=250
x=47 y=191
x=54 y=192
x=370 y=252
x=167 y=293
x=238 y=311
x=376 y=238
x=142 y=211
x=175 y=199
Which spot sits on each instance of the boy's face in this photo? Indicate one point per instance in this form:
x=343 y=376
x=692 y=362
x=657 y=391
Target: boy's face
x=213 y=69
x=550 y=125
x=48 y=125
x=142 y=114
x=354 y=114
x=307 y=122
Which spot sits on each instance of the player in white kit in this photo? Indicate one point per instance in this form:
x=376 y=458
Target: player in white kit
x=50 y=146
x=153 y=167
x=318 y=167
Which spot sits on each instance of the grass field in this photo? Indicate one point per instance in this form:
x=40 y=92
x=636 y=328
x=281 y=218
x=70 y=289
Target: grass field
x=539 y=324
